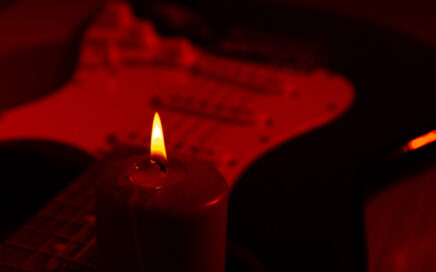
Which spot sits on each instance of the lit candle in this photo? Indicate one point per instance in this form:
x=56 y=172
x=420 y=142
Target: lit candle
x=159 y=214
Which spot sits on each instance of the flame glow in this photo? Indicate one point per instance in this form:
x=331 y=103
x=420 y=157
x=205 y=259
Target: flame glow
x=422 y=140
x=157 y=145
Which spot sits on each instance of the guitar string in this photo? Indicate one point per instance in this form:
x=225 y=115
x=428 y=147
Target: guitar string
x=222 y=62
x=199 y=126
x=212 y=93
x=146 y=120
x=190 y=92
x=209 y=132
x=52 y=238
x=214 y=123
x=186 y=137
x=230 y=92
x=54 y=257
x=199 y=90
x=216 y=127
x=208 y=59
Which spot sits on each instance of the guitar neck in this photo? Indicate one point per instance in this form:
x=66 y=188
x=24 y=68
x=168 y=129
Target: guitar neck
x=224 y=111
x=60 y=237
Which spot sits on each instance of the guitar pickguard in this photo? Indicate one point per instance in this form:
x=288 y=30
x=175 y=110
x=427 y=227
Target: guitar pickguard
x=226 y=111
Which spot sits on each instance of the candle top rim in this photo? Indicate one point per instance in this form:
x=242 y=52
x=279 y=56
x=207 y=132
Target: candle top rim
x=201 y=187
x=149 y=174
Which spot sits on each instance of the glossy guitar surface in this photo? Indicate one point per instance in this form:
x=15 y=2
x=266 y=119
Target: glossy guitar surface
x=290 y=205
x=226 y=111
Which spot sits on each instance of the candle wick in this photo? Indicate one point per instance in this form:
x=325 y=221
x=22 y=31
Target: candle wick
x=161 y=165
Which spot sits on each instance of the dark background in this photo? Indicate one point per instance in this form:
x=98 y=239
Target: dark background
x=385 y=49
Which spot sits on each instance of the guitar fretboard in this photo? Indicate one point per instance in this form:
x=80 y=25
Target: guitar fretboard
x=215 y=99
x=60 y=237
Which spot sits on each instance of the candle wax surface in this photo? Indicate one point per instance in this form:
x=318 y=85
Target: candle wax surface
x=154 y=221
x=150 y=174
x=187 y=186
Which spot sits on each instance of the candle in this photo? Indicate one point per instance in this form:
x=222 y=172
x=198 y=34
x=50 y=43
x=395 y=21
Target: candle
x=159 y=214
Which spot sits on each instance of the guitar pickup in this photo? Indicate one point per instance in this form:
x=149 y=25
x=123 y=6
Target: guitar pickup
x=206 y=110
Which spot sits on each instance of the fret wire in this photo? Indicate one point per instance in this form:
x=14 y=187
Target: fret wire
x=51 y=239
x=190 y=130
x=77 y=234
x=66 y=219
x=13 y=264
x=37 y=252
x=54 y=234
x=216 y=127
x=85 y=248
x=69 y=243
x=193 y=92
x=227 y=95
x=68 y=238
x=219 y=86
x=195 y=127
x=211 y=135
x=42 y=252
x=67 y=205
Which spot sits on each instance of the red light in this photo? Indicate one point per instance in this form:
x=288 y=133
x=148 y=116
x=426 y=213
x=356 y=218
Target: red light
x=422 y=140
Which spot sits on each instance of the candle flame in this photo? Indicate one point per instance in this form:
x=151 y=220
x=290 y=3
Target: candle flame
x=157 y=145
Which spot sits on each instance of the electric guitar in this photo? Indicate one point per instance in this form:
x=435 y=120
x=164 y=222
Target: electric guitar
x=226 y=111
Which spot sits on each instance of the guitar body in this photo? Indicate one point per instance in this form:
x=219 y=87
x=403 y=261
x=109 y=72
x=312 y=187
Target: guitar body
x=291 y=143
x=37 y=55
